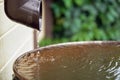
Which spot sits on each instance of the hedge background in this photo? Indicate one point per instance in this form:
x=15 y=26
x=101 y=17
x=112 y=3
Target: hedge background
x=84 y=20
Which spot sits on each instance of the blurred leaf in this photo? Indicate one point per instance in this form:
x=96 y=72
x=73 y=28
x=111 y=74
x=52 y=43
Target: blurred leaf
x=56 y=10
x=110 y=17
x=67 y=14
x=102 y=7
x=68 y=3
x=79 y=2
x=113 y=12
x=100 y=34
x=90 y=8
x=66 y=24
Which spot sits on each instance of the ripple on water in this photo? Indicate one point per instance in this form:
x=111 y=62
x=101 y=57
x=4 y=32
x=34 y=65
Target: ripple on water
x=92 y=66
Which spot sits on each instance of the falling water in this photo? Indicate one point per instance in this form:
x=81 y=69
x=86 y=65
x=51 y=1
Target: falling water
x=40 y=23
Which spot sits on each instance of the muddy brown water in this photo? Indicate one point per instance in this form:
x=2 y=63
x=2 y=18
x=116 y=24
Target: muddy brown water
x=72 y=61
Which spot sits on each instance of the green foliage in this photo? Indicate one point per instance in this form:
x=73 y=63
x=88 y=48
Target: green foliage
x=52 y=41
x=80 y=20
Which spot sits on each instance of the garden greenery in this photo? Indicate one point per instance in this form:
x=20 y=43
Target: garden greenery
x=81 y=20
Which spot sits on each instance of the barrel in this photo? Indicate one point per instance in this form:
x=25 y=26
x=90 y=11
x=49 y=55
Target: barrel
x=69 y=61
